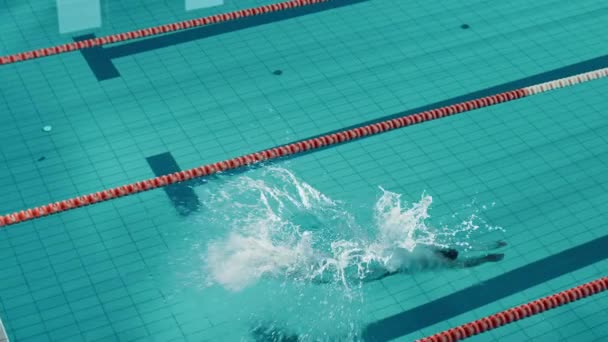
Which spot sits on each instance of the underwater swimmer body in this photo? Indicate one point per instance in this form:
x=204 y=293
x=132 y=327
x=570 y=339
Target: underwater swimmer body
x=399 y=260
x=433 y=257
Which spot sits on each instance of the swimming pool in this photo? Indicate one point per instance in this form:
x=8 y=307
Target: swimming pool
x=163 y=264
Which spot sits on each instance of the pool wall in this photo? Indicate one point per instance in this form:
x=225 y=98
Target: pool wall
x=3 y=337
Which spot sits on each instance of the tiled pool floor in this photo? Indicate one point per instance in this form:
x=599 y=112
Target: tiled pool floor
x=130 y=269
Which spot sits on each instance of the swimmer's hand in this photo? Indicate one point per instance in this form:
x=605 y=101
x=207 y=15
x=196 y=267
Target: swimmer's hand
x=494 y=257
x=497 y=244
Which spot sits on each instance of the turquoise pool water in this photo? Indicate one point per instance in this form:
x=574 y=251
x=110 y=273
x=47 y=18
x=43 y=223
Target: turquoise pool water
x=210 y=261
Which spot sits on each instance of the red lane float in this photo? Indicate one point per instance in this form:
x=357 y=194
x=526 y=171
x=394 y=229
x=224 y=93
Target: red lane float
x=519 y=312
x=270 y=154
x=157 y=30
x=294 y=148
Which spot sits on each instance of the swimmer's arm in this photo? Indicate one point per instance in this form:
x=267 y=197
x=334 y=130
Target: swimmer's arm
x=370 y=276
x=476 y=261
x=488 y=246
x=381 y=276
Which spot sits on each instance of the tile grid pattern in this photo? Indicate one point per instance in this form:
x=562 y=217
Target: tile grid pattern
x=494 y=183
x=295 y=148
x=157 y=30
x=517 y=313
x=117 y=16
x=100 y=272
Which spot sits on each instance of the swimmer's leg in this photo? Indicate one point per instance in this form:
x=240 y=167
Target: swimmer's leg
x=335 y=280
x=476 y=261
x=380 y=276
x=353 y=277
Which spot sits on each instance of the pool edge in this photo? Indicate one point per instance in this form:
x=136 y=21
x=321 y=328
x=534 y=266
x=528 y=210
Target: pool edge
x=3 y=335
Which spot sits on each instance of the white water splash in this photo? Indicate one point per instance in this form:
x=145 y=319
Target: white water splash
x=241 y=260
x=278 y=227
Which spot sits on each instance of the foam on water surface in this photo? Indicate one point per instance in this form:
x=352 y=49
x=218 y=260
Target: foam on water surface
x=278 y=226
x=284 y=253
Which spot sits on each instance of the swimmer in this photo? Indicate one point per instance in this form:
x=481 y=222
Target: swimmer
x=448 y=258
x=423 y=257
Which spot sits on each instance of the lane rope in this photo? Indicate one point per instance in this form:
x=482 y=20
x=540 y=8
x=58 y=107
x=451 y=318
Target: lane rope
x=294 y=148
x=519 y=312
x=157 y=30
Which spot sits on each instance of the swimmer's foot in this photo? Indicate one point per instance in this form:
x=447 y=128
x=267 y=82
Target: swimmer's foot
x=494 y=257
x=501 y=243
x=489 y=246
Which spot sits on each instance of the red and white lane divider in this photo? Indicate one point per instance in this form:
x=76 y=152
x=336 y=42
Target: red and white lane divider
x=519 y=312
x=157 y=30
x=294 y=148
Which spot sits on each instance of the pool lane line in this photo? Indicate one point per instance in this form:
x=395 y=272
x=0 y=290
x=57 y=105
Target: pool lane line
x=182 y=195
x=101 y=59
x=520 y=312
x=295 y=148
x=157 y=30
